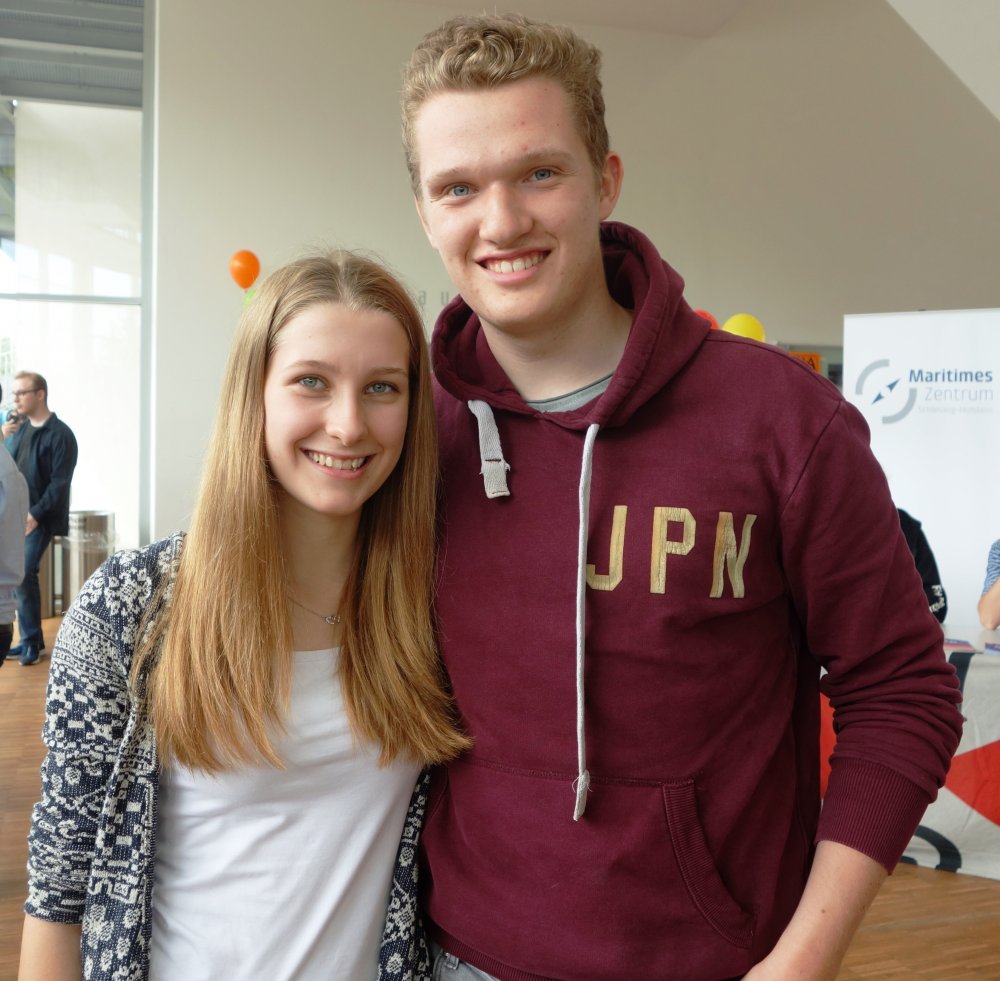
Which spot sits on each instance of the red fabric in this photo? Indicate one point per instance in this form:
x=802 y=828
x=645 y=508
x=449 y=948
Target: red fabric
x=975 y=778
x=827 y=740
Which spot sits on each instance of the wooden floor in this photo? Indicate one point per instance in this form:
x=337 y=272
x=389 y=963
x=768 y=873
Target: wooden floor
x=924 y=924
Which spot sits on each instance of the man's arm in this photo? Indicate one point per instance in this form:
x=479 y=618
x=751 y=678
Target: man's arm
x=14 y=515
x=989 y=607
x=841 y=887
x=894 y=695
x=63 y=463
x=49 y=951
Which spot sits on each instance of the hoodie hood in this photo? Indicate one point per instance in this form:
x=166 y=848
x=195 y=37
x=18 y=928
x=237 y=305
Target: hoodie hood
x=665 y=335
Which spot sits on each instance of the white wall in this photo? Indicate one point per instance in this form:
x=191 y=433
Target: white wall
x=817 y=159
x=275 y=131
x=813 y=159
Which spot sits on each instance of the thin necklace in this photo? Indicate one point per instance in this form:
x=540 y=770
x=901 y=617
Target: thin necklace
x=332 y=618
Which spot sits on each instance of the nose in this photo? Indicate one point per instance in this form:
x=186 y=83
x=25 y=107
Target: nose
x=505 y=216
x=346 y=420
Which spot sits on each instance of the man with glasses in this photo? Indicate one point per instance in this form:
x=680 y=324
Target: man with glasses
x=45 y=451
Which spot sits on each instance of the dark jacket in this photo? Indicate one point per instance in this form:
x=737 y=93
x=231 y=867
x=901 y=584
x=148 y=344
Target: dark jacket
x=923 y=558
x=51 y=462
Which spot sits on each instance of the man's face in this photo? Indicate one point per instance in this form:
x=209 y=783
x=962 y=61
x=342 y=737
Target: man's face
x=510 y=200
x=27 y=399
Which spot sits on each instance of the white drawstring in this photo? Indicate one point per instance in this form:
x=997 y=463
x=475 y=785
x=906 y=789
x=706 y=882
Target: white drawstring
x=494 y=472
x=493 y=466
x=582 y=783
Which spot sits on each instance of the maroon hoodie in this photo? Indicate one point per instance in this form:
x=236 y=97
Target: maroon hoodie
x=642 y=683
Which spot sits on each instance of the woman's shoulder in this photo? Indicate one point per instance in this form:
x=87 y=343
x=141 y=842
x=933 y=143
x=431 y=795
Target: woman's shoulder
x=157 y=556
x=128 y=580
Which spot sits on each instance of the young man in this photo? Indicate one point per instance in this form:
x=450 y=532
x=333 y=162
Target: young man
x=45 y=450
x=655 y=536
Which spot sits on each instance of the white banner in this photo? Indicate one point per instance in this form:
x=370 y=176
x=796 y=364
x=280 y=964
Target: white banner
x=928 y=385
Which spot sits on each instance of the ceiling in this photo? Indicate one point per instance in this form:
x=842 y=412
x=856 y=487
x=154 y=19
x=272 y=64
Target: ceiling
x=692 y=18
x=72 y=51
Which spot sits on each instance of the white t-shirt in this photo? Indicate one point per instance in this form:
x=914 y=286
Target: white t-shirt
x=280 y=874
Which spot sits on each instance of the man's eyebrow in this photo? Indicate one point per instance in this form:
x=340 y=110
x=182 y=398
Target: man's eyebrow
x=445 y=176
x=535 y=158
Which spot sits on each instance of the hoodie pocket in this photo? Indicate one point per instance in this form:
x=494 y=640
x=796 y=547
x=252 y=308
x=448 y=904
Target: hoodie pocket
x=698 y=870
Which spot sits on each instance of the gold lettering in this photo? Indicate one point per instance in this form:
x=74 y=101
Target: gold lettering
x=616 y=556
x=726 y=554
x=663 y=546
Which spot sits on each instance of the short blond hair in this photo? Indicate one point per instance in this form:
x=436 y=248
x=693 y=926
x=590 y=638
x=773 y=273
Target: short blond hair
x=483 y=52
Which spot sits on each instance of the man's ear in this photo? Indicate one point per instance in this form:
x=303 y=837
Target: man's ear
x=611 y=183
x=423 y=221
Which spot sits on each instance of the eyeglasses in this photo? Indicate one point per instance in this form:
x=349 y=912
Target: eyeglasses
x=24 y=391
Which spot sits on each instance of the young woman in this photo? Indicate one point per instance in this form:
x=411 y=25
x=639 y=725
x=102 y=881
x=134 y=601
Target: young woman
x=236 y=717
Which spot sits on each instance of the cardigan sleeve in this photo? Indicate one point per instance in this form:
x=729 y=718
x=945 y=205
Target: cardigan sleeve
x=88 y=710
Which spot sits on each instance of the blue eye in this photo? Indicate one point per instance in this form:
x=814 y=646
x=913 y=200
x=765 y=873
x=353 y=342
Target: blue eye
x=459 y=191
x=542 y=174
x=380 y=388
x=311 y=382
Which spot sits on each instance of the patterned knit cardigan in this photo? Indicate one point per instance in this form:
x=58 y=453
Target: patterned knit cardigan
x=93 y=835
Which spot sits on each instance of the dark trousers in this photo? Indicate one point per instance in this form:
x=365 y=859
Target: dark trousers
x=29 y=597
x=6 y=636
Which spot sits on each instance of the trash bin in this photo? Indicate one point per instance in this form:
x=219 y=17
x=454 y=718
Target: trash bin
x=91 y=539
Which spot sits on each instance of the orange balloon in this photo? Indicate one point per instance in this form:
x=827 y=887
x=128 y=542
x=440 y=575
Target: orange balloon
x=705 y=315
x=244 y=267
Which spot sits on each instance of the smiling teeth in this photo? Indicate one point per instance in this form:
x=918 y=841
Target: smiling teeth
x=514 y=265
x=334 y=464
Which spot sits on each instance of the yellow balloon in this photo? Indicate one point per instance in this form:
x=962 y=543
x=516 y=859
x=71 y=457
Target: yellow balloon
x=746 y=325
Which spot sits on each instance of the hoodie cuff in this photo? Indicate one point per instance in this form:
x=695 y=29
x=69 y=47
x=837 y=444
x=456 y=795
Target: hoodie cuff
x=872 y=809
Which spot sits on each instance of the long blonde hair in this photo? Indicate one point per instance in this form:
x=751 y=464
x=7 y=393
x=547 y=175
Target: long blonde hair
x=218 y=655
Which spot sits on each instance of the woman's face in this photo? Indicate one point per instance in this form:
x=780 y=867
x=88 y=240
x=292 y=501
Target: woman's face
x=336 y=398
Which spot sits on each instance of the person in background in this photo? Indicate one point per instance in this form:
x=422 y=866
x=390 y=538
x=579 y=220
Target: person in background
x=13 y=515
x=236 y=717
x=654 y=537
x=989 y=602
x=923 y=559
x=45 y=450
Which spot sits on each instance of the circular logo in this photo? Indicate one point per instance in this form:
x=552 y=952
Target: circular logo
x=881 y=387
